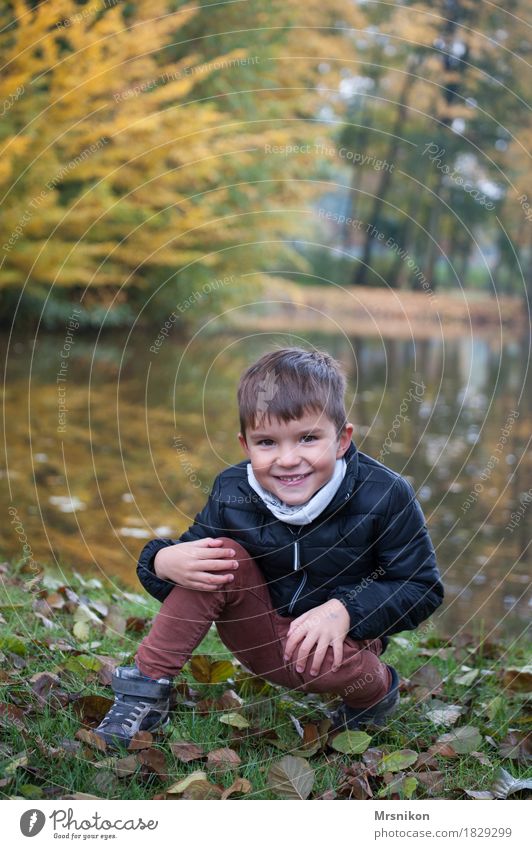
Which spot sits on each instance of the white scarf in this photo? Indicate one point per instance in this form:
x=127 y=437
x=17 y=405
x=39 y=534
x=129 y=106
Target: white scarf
x=300 y=514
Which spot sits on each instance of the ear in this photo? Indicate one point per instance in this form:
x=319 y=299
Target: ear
x=243 y=444
x=344 y=440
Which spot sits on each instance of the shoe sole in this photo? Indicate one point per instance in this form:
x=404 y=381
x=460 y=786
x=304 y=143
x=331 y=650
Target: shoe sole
x=116 y=742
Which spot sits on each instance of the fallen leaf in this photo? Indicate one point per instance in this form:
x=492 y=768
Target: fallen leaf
x=15 y=763
x=240 y=785
x=396 y=761
x=351 y=742
x=140 y=740
x=11 y=715
x=479 y=794
x=481 y=758
x=425 y=682
x=465 y=739
x=223 y=759
x=517 y=679
x=186 y=752
x=91 y=739
x=506 y=785
x=181 y=785
x=291 y=778
x=155 y=760
x=467 y=678
x=444 y=714
x=444 y=750
x=203 y=790
x=207 y=671
x=517 y=745
x=91 y=709
x=236 y=720
x=136 y=624
x=432 y=780
x=115 y=621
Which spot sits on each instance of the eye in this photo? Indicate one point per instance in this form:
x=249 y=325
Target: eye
x=309 y=436
x=262 y=441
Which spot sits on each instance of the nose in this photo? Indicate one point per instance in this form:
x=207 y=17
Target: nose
x=288 y=458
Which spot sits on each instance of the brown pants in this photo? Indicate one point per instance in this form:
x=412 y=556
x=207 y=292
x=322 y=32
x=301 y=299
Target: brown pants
x=256 y=634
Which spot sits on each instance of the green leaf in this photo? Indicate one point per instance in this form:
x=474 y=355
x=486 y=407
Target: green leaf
x=236 y=720
x=396 y=761
x=14 y=644
x=351 y=742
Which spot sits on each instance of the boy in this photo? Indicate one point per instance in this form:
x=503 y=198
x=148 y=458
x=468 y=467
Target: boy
x=306 y=558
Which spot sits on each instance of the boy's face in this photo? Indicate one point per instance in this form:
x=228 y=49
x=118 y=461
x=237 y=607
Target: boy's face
x=294 y=459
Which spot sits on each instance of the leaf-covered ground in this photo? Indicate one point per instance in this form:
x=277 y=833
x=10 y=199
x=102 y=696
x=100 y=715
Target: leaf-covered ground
x=461 y=731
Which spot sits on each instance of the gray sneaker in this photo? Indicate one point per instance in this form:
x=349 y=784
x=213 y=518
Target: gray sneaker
x=348 y=718
x=141 y=704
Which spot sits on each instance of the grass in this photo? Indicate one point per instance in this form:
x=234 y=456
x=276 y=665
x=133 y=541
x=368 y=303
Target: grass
x=40 y=756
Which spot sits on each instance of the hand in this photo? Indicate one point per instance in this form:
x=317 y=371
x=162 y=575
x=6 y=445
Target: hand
x=196 y=565
x=323 y=626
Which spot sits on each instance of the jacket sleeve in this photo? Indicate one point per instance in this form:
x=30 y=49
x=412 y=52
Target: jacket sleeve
x=405 y=588
x=206 y=524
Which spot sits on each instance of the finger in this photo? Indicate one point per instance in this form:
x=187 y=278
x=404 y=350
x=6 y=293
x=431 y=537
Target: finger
x=212 y=579
x=338 y=652
x=206 y=541
x=319 y=654
x=292 y=642
x=304 y=651
x=295 y=623
x=207 y=588
x=221 y=552
x=216 y=565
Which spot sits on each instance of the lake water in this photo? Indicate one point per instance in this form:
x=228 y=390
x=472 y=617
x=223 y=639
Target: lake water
x=109 y=444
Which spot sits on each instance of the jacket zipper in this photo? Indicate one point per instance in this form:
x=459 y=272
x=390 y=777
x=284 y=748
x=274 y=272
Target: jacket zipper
x=296 y=566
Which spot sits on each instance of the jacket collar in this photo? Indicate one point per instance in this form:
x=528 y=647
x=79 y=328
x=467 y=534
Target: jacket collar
x=345 y=490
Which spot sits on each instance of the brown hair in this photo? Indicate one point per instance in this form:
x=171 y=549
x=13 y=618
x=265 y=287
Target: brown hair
x=290 y=382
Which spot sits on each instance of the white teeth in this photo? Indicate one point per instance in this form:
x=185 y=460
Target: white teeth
x=295 y=478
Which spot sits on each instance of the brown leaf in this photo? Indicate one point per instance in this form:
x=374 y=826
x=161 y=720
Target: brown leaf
x=425 y=682
x=517 y=745
x=155 y=760
x=140 y=740
x=91 y=709
x=202 y=790
x=372 y=757
x=11 y=715
x=91 y=739
x=433 y=780
x=240 y=785
x=427 y=761
x=229 y=700
x=444 y=750
x=517 y=679
x=291 y=778
x=223 y=759
x=136 y=624
x=108 y=666
x=186 y=752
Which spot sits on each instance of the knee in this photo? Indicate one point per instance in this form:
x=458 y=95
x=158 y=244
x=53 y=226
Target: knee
x=240 y=551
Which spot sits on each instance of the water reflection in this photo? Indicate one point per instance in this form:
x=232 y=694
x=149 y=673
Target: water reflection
x=142 y=436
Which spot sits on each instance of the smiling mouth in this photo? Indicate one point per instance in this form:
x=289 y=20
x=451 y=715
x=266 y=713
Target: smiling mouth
x=288 y=479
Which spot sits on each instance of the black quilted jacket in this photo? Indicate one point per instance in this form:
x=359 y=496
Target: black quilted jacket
x=369 y=548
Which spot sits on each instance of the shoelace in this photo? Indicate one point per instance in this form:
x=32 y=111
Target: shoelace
x=126 y=718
